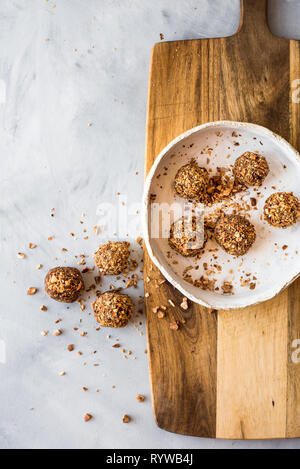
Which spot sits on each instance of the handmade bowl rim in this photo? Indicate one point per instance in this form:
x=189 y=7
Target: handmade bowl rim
x=146 y=203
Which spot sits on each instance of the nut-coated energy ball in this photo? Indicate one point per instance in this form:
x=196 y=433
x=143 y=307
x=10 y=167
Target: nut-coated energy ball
x=191 y=182
x=235 y=234
x=112 y=258
x=188 y=236
x=113 y=309
x=64 y=284
x=282 y=209
x=251 y=169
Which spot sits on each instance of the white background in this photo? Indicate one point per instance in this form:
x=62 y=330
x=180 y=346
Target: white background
x=65 y=64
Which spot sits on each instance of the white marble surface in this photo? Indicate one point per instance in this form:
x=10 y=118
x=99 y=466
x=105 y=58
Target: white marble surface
x=63 y=65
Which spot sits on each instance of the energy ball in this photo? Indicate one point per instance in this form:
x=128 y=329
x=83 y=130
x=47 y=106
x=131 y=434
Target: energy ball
x=235 y=234
x=112 y=258
x=186 y=237
x=251 y=169
x=64 y=284
x=191 y=182
x=282 y=209
x=113 y=309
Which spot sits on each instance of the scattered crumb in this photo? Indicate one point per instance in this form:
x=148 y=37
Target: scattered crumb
x=184 y=305
x=174 y=326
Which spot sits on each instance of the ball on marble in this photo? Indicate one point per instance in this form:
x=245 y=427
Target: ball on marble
x=113 y=309
x=112 y=258
x=64 y=284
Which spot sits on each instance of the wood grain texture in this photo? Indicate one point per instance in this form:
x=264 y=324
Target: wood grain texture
x=252 y=371
x=293 y=383
x=225 y=374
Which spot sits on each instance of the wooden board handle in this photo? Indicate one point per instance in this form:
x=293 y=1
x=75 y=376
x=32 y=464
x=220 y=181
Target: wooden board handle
x=254 y=17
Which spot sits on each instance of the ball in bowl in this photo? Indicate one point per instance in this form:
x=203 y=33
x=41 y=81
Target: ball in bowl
x=188 y=236
x=251 y=169
x=235 y=234
x=282 y=209
x=191 y=182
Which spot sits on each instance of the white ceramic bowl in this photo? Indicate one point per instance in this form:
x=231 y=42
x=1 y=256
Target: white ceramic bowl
x=271 y=268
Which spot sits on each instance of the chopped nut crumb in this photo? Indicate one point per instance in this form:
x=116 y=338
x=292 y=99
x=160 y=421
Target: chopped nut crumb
x=184 y=305
x=227 y=287
x=126 y=418
x=174 y=326
x=87 y=417
x=140 y=398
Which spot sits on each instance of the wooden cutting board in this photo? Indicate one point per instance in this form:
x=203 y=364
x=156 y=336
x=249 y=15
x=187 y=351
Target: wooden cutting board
x=224 y=374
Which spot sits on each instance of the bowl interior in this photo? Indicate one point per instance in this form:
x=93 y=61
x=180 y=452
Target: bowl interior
x=272 y=262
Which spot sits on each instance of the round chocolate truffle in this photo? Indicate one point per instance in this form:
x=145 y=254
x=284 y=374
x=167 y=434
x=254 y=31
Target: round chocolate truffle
x=64 y=284
x=112 y=258
x=188 y=236
x=235 y=234
x=251 y=169
x=282 y=209
x=112 y=309
x=191 y=182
